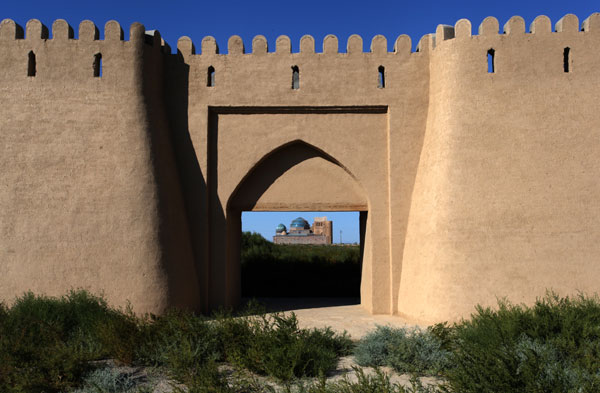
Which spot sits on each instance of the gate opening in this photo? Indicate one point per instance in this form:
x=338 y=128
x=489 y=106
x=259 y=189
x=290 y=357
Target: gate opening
x=293 y=260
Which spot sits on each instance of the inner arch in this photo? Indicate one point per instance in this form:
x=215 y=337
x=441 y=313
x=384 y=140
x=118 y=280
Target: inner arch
x=298 y=176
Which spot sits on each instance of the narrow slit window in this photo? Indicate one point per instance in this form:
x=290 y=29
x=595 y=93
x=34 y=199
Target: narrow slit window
x=97 y=65
x=566 y=53
x=210 y=76
x=295 y=78
x=490 y=61
x=381 y=77
x=31 y=66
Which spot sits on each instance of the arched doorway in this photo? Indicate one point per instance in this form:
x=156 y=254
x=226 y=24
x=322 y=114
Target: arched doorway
x=296 y=176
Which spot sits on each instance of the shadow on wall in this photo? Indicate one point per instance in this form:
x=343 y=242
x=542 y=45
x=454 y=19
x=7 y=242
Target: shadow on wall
x=177 y=255
x=193 y=184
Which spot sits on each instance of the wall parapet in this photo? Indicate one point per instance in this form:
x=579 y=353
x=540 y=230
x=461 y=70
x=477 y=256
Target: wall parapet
x=283 y=46
x=39 y=52
x=515 y=26
x=62 y=31
x=543 y=49
x=403 y=46
x=113 y=32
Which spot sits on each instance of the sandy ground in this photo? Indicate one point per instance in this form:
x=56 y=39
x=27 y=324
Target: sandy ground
x=338 y=313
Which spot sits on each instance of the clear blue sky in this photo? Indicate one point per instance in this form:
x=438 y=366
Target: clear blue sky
x=266 y=222
x=272 y=18
x=221 y=19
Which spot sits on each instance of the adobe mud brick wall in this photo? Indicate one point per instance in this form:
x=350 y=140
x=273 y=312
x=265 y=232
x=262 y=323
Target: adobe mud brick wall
x=472 y=184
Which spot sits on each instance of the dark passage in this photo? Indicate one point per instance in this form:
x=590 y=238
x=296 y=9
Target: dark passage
x=282 y=270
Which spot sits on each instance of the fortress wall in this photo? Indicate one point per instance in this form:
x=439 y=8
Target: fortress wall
x=78 y=192
x=505 y=202
x=248 y=80
x=477 y=184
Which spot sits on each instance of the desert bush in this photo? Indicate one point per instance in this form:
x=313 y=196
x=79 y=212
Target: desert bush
x=46 y=343
x=180 y=341
x=373 y=349
x=406 y=350
x=50 y=345
x=206 y=378
x=553 y=346
x=110 y=380
x=274 y=345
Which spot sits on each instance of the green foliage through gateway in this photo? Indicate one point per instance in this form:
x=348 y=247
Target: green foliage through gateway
x=281 y=270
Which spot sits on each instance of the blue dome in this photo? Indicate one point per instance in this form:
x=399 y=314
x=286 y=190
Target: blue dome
x=300 y=223
x=280 y=228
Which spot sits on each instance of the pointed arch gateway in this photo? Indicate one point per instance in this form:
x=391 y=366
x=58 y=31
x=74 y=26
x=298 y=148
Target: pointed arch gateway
x=296 y=176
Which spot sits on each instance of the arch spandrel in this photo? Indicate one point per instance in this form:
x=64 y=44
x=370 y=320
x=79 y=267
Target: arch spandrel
x=242 y=141
x=298 y=176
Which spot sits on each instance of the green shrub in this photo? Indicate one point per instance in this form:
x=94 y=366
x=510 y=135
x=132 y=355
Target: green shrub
x=180 y=341
x=46 y=343
x=205 y=378
x=553 y=346
x=109 y=380
x=274 y=345
x=174 y=332
x=373 y=349
x=405 y=350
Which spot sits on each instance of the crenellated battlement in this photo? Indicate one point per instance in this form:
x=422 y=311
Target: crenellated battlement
x=283 y=45
x=489 y=27
x=48 y=55
x=88 y=31
x=62 y=31
x=514 y=51
x=515 y=26
x=36 y=37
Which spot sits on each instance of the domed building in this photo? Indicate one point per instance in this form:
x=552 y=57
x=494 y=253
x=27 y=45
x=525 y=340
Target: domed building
x=281 y=230
x=299 y=224
x=301 y=232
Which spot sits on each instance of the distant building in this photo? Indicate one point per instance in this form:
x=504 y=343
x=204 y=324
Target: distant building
x=302 y=233
x=321 y=226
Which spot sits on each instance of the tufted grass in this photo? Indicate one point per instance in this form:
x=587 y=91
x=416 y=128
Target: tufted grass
x=406 y=350
x=46 y=344
x=54 y=344
x=274 y=345
x=50 y=344
x=552 y=346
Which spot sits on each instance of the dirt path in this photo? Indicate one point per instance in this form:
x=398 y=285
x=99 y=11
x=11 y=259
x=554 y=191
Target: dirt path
x=338 y=313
